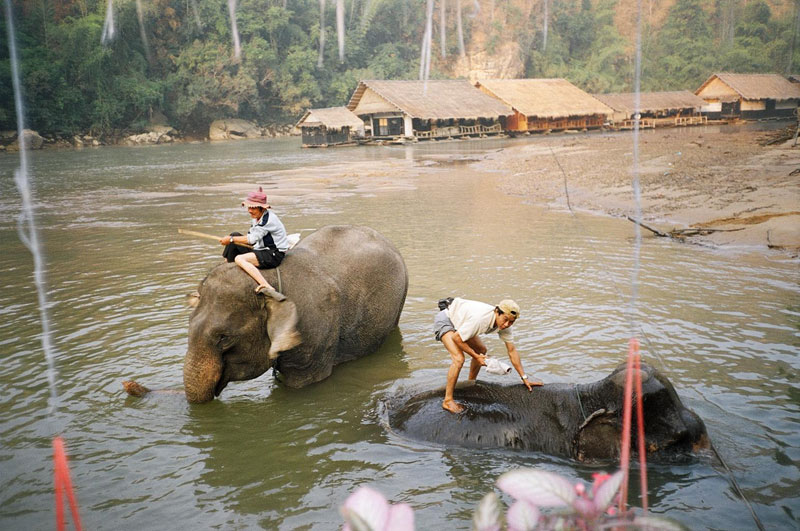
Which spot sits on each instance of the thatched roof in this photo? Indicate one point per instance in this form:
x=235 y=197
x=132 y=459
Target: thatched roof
x=750 y=87
x=652 y=101
x=544 y=98
x=432 y=100
x=333 y=118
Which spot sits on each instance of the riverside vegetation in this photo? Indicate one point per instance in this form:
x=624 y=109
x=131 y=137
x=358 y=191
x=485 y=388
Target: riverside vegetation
x=175 y=59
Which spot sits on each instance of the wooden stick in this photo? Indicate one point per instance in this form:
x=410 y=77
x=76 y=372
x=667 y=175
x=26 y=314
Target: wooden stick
x=680 y=234
x=208 y=236
x=694 y=231
x=654 y=231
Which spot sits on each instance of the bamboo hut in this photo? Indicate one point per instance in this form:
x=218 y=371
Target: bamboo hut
x=749 y=96
x=542 y=105
x=655 y=108
x=397 y=110
x=331 y=126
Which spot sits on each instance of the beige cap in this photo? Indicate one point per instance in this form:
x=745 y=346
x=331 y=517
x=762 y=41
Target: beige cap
x=509 y=307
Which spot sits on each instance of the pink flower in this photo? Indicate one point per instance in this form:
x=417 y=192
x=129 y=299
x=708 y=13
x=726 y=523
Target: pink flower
x=599 y=478
x=368 y=509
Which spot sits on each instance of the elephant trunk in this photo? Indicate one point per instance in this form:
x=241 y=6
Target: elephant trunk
x=201 y=374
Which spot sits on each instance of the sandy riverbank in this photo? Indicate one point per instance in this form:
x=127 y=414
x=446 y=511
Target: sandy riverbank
x=715 y=177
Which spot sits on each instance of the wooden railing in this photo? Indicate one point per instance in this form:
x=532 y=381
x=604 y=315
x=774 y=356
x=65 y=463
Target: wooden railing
x=691 y=120
x=458 y=130
x=644 y=123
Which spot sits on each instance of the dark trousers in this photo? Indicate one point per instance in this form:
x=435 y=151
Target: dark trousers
x=231 y=250
x=267 y=258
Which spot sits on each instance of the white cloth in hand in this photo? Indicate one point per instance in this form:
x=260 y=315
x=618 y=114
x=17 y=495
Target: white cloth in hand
x=495 y=366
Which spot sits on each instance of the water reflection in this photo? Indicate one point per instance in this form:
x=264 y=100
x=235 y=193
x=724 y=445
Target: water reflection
x=280 y=456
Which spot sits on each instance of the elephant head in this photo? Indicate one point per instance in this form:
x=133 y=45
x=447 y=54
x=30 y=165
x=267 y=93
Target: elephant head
x=670 y=429
x=234 y=333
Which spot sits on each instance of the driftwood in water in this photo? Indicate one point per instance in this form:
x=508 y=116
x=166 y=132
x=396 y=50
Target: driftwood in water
x=679 y=234
x=654 y=231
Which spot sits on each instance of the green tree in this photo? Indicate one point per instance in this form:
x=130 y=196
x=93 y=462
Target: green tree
x=207 y=85
x=755 y=46
x=683 y=52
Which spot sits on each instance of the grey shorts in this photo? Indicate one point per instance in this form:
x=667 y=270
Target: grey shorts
x=442 y=324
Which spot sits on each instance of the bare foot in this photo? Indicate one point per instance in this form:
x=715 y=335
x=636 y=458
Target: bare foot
x=452 y=406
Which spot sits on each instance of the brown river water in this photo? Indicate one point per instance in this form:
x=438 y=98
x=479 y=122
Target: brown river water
x=724 y=325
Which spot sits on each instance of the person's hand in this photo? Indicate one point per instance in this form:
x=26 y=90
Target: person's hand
x=531 y=384
x=224 y=240
x=481 y=359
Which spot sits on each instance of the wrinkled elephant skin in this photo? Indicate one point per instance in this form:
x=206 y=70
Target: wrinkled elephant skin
x=345 y=289
x=583 y=422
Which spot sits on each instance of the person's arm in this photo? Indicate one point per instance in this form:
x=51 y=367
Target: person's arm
x=257 y=232
x=480 y=358
x=513 y=355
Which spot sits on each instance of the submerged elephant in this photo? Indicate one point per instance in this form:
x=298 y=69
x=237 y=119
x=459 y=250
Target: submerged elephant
x=346 y=287
x=583 y=421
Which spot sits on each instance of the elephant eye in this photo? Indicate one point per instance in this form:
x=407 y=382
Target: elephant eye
x=225 y=341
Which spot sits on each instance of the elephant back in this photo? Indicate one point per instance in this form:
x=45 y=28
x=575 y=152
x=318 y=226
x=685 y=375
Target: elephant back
x=372 y=284
x=349 y=284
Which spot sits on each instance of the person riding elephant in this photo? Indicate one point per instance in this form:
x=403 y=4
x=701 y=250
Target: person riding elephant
x=459 y=324
x=345 y=287
x=268 y=239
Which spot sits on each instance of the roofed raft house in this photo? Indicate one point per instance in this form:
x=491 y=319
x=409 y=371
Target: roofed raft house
x=398 y=110
x=542 y=105
x=749 y=96
x=330 y=126
x=655 y=108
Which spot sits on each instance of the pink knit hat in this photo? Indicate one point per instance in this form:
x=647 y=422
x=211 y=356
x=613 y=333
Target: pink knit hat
x=256 y=199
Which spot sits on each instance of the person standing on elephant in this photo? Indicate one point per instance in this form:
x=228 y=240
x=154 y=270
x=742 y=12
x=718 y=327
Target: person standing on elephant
x=268 y=237
x=459 y=326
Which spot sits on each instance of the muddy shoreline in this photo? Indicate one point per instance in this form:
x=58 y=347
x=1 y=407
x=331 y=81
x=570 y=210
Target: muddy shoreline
x=719 y=180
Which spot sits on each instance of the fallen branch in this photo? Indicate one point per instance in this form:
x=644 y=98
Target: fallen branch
x=651 y=229
x=699 y=231
x=679 y=234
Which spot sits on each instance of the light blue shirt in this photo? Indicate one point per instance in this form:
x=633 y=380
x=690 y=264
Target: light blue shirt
x=267 y=231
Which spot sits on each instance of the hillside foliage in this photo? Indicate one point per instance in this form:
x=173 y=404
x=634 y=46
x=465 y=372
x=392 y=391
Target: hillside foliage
x=176 y=57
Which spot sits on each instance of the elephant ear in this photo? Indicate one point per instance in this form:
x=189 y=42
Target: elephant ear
x=282 y=327
x=598 y=437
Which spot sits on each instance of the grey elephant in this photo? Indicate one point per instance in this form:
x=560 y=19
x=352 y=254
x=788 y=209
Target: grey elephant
x=583 y=422
x=346 y=286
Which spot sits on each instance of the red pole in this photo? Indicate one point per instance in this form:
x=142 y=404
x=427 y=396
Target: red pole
x=625 y=450
x=640 y=424
x=63 y=485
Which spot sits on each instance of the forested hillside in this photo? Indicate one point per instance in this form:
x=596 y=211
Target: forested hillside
x=83 y=71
